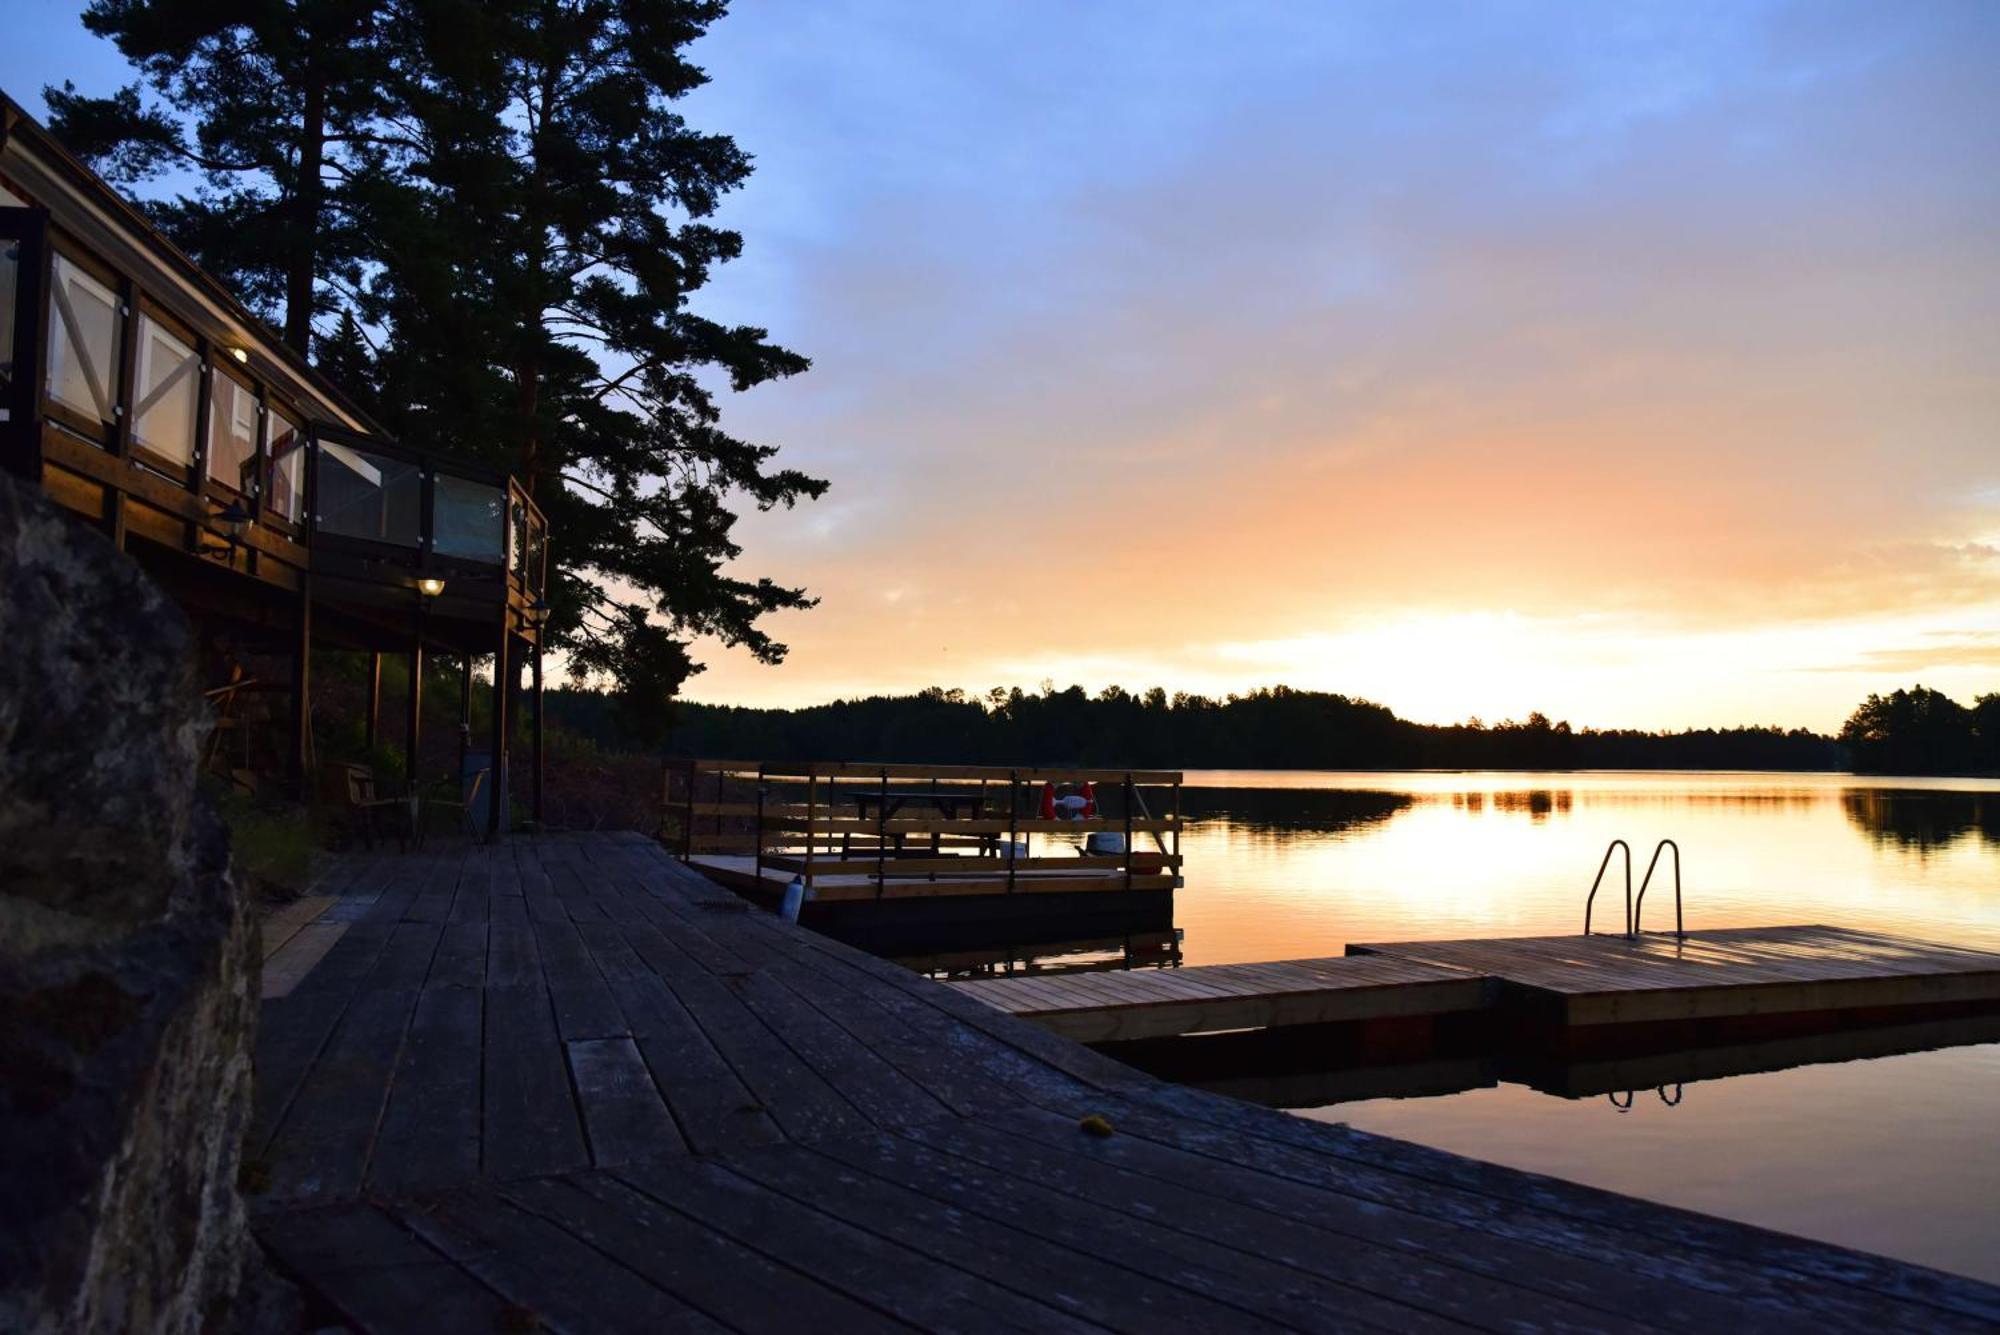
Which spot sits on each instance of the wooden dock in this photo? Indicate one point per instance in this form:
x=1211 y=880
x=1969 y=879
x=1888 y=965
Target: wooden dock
x=1567 y=981
x=1162 y=1003
x=1741 y=971
x=570 y=1084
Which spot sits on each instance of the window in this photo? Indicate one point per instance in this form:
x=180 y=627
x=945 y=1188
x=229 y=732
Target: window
x=363 y=494
x=168 y=381
x=232 y=433
x=468 y=520
x=84 y=329
x=285 y=449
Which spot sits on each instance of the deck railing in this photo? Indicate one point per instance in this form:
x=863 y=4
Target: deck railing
x=878 y=825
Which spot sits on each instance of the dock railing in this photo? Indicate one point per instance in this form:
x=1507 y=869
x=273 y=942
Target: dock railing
x=884 y=825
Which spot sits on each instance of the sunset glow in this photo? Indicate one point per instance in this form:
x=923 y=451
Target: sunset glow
x=1633 y=365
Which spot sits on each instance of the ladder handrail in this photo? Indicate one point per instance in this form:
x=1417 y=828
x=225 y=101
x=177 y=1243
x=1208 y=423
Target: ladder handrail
x=1680 y=931
x=1611 y=848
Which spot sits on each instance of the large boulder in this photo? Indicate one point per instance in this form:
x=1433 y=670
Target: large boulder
x=127 y=955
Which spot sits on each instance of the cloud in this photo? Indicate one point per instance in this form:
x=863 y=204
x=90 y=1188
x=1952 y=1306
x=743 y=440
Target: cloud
x=1252 y=325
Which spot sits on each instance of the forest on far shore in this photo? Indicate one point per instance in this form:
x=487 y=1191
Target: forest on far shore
x=1917 y=731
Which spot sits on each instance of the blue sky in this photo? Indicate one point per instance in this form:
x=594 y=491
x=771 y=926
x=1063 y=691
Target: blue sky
x=1633 y=363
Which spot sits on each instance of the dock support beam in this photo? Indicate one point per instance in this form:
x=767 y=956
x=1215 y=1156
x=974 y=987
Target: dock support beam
x=299 y=727
x=536 y=716
x=413 y=728
x=374 y=699
x=497 y=809
x=464 y=712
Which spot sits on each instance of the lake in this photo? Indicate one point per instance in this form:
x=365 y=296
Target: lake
x=1892 y=1154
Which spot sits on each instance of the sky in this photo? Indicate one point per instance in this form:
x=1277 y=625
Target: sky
x=1638 y=364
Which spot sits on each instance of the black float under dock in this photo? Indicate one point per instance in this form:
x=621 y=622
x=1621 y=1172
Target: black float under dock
x=570 y=1084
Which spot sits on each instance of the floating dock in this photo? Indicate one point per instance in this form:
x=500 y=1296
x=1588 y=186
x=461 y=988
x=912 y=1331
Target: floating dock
x=1566 y=982
x=919 y=859
x=570 y=1084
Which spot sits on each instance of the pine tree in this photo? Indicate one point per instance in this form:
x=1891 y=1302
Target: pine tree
x=509 y=216
x=536 y=276
x=276 y=105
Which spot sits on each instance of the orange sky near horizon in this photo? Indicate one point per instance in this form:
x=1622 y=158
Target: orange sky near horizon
x=1639 y=369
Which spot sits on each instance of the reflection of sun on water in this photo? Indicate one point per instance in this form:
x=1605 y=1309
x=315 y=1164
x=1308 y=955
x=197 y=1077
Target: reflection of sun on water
x=1498 y=855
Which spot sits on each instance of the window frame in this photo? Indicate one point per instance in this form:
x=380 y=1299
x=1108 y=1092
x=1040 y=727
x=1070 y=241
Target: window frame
x=145 y=308
x=270 y=406
x=218 y=488
x=109 y=436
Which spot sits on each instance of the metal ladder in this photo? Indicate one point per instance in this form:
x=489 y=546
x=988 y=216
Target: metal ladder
x=1634 y=908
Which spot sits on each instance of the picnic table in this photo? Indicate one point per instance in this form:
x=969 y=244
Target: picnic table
x=889 y=803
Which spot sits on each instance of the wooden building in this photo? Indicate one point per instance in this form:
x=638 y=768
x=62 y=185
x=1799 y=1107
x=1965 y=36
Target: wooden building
x=137 y=392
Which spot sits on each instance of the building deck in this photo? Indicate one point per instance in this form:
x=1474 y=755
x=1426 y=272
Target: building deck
x=569 y=1083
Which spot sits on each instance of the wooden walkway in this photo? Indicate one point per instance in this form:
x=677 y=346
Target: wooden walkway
x=571 y=1084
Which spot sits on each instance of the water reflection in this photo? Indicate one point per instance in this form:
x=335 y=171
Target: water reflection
x=1140 y=950
x=1924 y=822
x=1328 y=810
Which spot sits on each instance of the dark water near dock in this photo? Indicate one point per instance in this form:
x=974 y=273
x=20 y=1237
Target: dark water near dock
x=1894 y=1154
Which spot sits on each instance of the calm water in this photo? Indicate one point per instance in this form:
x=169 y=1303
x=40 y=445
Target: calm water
x=1893 y=1154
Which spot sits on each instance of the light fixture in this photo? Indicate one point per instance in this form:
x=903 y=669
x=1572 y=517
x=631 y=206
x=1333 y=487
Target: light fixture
x=538 y=613
x=240 y=355
x=430 y=586
x=234 y=521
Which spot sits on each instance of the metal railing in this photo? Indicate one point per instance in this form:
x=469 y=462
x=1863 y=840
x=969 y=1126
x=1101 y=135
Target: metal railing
x=1634 y=908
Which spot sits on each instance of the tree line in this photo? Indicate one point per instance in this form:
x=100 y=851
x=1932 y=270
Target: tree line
x=1271 y=728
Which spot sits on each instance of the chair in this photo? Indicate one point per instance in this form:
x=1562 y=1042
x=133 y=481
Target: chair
x=465 y=804
x=353 y=791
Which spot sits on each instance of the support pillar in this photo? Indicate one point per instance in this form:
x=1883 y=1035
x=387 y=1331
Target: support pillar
x=537 y=734
x=300 y=743
x=496 y=812
x=374 y=699
x=464 y=712
x=413 y=730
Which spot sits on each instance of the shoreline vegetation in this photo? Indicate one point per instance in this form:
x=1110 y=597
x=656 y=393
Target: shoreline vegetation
x=1916 y=731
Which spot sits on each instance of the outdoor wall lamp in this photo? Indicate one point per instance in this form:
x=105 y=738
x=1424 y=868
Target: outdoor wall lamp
x=430 y=586
x=538 y=613
x=235 y=522
x=240 y=355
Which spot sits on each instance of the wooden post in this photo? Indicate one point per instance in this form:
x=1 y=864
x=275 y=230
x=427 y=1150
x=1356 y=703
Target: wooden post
x=757 y=847
x=374 y=699
x=882 y=837
x=1013 y=820
x=535 y=799
x=812 y=836
x=413 y=726
x=496 y=812
x=687 y=825
x=1129 y=790
x=464 y=711
x=301 y=745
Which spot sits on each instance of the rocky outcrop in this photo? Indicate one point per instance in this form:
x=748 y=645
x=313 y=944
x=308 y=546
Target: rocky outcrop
x=127 y=956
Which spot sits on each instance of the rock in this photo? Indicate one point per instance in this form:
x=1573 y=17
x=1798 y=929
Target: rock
x=128 y=958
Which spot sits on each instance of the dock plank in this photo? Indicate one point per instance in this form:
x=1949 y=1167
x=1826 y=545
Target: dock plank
x=569 y=1081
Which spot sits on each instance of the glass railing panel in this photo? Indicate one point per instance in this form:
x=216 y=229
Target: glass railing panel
x=169 y=384
x=84 y=333
x=363 y=494
x=469 y=520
